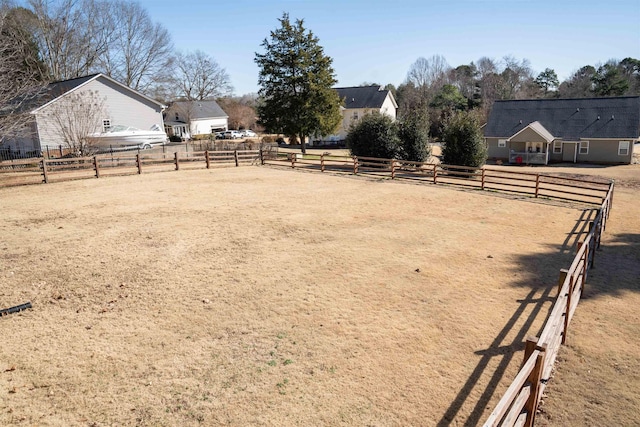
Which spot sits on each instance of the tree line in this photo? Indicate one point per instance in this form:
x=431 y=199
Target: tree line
x=435 y=101
x=432 y=85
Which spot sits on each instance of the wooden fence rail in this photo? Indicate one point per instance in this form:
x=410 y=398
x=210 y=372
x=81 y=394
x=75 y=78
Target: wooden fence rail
x=120 y=164
x=486 y=178
x=512 y=410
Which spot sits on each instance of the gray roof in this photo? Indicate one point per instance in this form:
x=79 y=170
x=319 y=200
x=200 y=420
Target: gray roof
x=568 y=119
x=38 y=96
x=56 y=89
x=195 y=110
x=362 y=96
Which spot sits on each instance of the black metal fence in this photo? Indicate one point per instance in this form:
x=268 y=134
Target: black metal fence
x=6 y=153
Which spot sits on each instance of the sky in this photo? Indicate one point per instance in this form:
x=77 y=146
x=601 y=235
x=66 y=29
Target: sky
x=378 y=41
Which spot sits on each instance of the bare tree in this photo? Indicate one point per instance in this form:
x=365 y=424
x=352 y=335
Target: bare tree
x=71 y=35
x=75 y=117
x=140 y=51
x=241 y=112
x=429 y=72
x=198 y=76
x=118 y=38
x=428 y=75
x=24 y=76
x=517 y=77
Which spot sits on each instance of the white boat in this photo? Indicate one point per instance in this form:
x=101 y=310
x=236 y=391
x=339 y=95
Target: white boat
x=120 y=137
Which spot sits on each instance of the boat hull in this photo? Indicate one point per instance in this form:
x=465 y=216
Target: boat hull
x=131 y=138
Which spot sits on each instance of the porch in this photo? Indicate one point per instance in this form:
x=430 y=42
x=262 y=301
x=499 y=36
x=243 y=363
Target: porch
x=528 y=157
x=530 y=146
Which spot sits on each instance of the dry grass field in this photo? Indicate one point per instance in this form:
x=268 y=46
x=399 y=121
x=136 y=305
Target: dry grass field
x=263 y=296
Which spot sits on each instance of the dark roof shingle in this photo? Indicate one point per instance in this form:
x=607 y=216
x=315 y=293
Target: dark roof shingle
x=362 y=96
x=569 y=119
x=196 y=109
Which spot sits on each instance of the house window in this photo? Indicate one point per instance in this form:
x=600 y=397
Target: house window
x=106 y=125
x=502 y=143
x=557 y=147
x=623 y=148
x=584 y=147
x=355 y=116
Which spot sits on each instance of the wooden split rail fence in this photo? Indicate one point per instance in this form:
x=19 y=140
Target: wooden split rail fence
x=486 y=178
x=519 y=403
x=20 y=171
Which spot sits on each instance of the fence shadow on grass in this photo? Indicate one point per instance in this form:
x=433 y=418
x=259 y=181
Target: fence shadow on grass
x=616 y=267
x=539 y=272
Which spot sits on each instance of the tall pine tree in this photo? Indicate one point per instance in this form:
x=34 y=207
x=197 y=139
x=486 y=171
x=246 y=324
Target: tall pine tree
x=296 y=80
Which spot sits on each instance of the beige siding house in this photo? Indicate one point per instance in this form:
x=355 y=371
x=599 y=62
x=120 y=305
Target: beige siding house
x=584 y=130
x=121 y=106
x=359 y=101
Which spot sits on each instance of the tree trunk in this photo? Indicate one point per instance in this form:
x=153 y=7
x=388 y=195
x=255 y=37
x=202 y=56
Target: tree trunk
x=303 y=146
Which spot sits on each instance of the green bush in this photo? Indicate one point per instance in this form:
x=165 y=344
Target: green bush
x=414 y=134
x=375 y=135
x=463 y=141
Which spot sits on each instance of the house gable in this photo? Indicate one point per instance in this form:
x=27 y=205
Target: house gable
x=364 y=97
x=533 y=132
x=362 y=100
x=57 y=90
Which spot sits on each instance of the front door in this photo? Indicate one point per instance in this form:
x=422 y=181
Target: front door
x=569 y=151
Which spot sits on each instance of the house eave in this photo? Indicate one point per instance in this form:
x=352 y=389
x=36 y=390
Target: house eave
x=37 y=110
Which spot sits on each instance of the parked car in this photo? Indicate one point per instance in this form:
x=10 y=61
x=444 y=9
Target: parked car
x=248 y=133
x=232 y=134
x=219 y=135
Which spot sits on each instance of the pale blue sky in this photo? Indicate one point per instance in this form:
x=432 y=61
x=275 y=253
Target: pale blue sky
x=377 y=41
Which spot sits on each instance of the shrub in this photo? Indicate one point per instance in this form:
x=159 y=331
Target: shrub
x=375 y=135
x=463 y=141
x=414 y=134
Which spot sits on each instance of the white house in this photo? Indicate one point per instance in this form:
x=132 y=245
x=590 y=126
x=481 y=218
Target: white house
x=189 y=118
x=121 y=105
x=358 y=101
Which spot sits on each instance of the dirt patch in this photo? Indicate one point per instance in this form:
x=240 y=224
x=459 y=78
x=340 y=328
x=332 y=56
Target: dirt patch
x=260 y=296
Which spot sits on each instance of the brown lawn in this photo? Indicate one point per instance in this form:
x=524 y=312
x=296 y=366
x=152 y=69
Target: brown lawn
x=263 y=296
